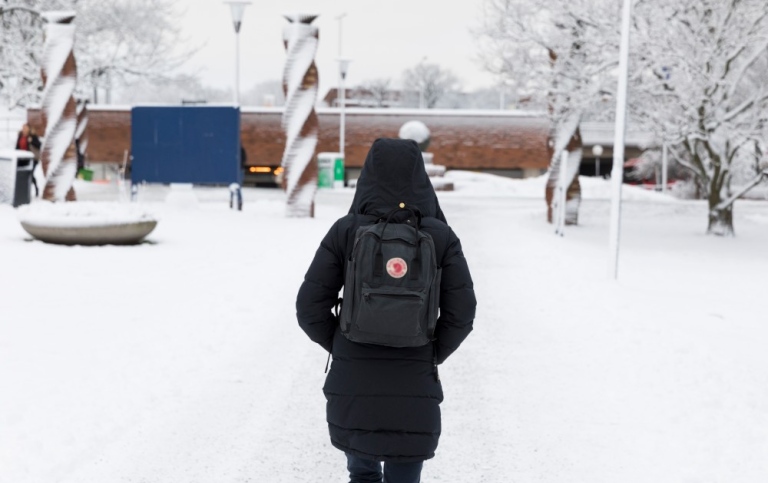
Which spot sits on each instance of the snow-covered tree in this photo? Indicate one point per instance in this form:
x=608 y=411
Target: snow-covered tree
x=123 y=39
x=116 y=40
x=173 y=90
x=21 y=44
x=701 y=88
x=265 y=93
x=431 y=81
x=379 y=90
x=559 y=51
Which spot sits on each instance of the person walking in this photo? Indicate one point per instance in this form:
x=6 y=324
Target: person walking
x=22 y=140
x=34 y=146
x=383 y=402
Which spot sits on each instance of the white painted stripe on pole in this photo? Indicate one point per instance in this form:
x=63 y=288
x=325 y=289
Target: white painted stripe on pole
x=617 y=173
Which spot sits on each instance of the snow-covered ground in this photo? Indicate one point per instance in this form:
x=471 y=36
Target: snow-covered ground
x=180 y=360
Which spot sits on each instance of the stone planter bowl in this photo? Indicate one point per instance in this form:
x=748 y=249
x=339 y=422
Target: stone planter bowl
x=118 y=234
x=87 y=223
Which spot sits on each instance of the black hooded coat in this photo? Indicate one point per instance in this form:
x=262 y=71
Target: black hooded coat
x=383 y=402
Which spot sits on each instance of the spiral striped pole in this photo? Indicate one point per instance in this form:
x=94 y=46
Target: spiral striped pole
x=300 y=83
x=59 y=73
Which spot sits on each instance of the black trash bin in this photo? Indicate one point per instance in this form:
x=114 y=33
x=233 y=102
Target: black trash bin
x=16 y=176
x=22 y=195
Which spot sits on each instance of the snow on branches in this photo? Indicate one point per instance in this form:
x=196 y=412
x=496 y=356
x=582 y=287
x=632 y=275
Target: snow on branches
x=697 y=78
x=561 y=52
x=700 y=86
x=117 y=40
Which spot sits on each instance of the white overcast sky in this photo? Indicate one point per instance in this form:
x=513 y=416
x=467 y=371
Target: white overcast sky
x=382 y=37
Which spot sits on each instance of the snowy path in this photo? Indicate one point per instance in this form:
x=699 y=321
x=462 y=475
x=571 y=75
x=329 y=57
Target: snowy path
x=181 y=360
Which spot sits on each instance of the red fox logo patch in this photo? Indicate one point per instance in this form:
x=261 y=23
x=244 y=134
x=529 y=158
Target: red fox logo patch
x=397 y=268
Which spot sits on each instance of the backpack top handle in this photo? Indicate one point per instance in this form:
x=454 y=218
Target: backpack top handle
x=378 y=263
x=415 y=213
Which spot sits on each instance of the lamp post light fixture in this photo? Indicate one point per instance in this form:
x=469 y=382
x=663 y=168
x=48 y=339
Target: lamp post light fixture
x=597 y=151
x=237 y=8
x=343 y=69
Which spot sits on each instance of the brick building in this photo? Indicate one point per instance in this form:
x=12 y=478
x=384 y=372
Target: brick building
x=509 y=143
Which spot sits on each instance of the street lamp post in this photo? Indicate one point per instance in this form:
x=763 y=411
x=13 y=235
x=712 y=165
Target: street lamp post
x=617 y=171
x=237 y=8
x=343 y=68
x=340 y=17
x=597 y=151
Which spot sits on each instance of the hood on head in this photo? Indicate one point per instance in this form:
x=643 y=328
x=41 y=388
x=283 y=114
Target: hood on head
x=394 y=173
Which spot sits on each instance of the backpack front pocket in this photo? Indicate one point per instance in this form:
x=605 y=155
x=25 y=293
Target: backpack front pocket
x=398 y=314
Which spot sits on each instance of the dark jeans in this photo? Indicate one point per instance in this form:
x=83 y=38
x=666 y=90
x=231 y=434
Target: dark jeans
x=34 y=181
x=368 y=471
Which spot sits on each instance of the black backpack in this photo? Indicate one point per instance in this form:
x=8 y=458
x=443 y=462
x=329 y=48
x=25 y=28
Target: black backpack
x=391 y=284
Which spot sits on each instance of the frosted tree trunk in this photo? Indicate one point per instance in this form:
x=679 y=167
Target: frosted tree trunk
x=59 y=73
x=720 y=213
x=720 y=219
x=300 y=83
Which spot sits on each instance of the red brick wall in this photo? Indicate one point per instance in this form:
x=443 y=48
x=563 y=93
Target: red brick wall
x=109 y=133
x=459 y=140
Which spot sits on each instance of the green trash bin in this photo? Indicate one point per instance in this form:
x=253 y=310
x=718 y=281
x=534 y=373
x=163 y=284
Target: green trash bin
x=330 y=170
x=85 y=174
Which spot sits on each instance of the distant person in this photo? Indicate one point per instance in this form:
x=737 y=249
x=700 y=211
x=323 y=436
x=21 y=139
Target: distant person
x=243 y=163
x=383 y=400
x=28 y=140
x=35 y=146
x=80 y=156
x=22 y=140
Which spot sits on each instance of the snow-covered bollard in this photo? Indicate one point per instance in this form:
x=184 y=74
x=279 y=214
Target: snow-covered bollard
x=418 y=132
x=300 y=83
x=134 y=192
x=235 y=197
x=59 y=73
